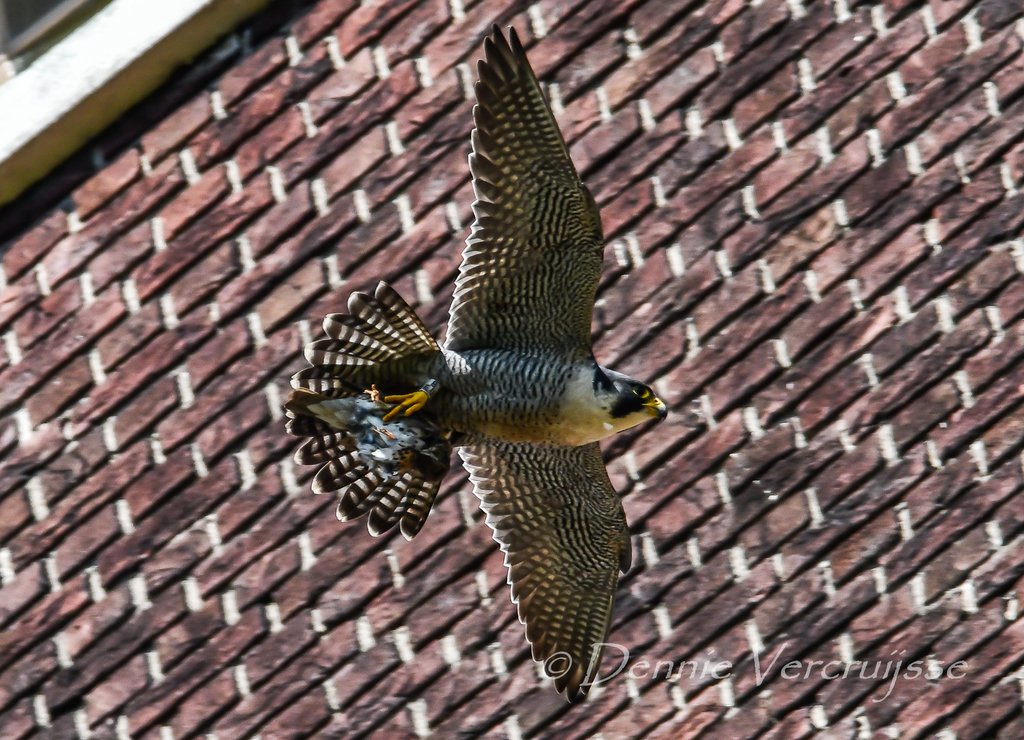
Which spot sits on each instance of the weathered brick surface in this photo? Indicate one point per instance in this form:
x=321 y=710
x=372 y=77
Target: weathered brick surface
x=816 y=254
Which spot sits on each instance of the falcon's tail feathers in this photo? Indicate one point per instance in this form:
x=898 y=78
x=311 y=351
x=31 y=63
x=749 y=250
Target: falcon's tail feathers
x=392 y=475
x=403 y=499
x=380 y=340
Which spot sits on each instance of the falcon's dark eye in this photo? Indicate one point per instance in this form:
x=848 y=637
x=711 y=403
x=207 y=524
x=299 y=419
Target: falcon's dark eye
x=642 y=392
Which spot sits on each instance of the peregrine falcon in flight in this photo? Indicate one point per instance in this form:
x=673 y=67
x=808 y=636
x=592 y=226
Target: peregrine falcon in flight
x=515 y=387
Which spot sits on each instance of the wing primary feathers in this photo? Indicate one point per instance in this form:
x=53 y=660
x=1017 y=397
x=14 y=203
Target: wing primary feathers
x=536 y=231
x=561 y=526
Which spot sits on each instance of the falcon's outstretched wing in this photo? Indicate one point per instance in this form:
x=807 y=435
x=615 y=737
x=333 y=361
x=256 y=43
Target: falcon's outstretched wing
x=533 y=258
x=563 y=531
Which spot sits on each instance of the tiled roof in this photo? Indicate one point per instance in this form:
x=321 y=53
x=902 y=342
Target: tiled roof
x=815 y=254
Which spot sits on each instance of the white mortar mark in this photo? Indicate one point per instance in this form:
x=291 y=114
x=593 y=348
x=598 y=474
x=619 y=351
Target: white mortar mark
x=968 y=597
x=647 y=120
x=913 y=156
x=887 y=444
x=394 y=139
x=603 y=107
x=289 y=481
x=828 y=584
x=901 y=304
x=241 y=676
x=944 y=314
x=292 y=51
x=537 y=23
x=878 y=21
x=749 y=200
x=903 y=521
x=874 y=140
x=799 y=438
x=109 y=433
x=694 y=123
x=139 y=593
x=36 y=498
x=418 y=715
x=498 y=664
x=13 y=348
x=259 y=337
x=931 y=28
x=40 y=712
x=154 y=667
x=754 y=639
x=193 y=596
x=554 y=94
x=276 y=181
x=229 y=608
x=130 y=296
x=423 y=75
x=972 y=32
x=123 y=514
x=450 y=650
x=805 y=75
x=60 y=648
x=1006 y=177
x=674 y=256
x=457 y=11
x=308 y=124
x=272 y=613
x=402 y=639
x=814 y=508
x=405 y=218
x=738 y=562
x=839 y=213
x=6 y=566
x=156 y=449
x=917 y=592
x=824 y=145
x=752 y=423
x=94 y=584
x=963 y=387
x=217 y=106
x=693 y=551
x=704 y=404
x=364 y=634
x=362 y=205
x=380 y=62
x=465 y=76
x=881 y=582
x=894 y=81
x=198 y=461
x=189 y=168
x=168 y=313
x=649 y=550
x=732 y=134
x=979 y=454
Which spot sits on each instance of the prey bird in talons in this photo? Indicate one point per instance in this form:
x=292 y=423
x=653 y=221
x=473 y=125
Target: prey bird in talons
x=515 y=387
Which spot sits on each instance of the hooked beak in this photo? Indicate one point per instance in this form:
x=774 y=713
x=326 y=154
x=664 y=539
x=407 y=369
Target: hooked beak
x=657 y=408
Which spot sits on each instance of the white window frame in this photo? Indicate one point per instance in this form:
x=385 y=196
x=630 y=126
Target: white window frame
x=84 y=82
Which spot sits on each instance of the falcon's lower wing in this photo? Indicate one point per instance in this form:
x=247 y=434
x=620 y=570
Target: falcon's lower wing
x=563 y=531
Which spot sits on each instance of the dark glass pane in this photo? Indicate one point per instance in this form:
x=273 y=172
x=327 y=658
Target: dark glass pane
x=21 y=14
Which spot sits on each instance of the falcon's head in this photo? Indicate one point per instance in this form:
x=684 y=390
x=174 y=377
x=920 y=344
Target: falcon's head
x=628 y=402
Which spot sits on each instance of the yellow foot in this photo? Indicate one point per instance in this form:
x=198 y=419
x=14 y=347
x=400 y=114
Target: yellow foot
x=408 y=404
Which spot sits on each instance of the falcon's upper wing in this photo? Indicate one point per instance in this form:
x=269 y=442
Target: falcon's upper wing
x=563 y=531
x=533 y=259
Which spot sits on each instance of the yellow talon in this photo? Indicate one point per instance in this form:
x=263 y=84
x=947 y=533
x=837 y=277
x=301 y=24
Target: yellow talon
x=408 y=403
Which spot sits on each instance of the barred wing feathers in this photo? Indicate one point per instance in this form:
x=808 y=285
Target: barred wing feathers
x=530 y=269
x=561 y=526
